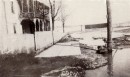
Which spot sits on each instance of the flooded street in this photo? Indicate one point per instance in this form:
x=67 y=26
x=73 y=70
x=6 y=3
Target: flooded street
x=118 y=66
x=64 y=38
x=64 y=62
x=121 y=63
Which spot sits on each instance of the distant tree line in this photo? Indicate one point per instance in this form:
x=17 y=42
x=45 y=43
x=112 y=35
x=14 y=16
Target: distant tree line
x=102 y=25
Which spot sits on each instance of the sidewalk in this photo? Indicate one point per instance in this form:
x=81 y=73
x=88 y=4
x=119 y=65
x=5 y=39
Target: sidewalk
x=62 y=49
x=45 y=40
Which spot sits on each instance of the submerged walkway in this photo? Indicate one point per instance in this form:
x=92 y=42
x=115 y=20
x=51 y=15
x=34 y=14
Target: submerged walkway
x=62 y=49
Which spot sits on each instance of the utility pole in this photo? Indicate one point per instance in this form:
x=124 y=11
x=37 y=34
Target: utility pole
x=109 y=39
x=109 y=27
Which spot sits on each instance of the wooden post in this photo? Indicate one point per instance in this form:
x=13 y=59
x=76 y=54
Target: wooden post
x=63 y=27
x=81 y=28
x=109 y=27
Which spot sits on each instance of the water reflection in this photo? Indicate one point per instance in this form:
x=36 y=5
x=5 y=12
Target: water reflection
x=110 y=65
x=118 y=65
x=105 y=71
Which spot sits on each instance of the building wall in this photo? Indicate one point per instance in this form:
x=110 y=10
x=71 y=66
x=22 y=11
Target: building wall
x=44 y=39
x=12 y=12
x=38 y=13
x=11 y=32
x=10 y=16
x=13 y=42
x=2 y=19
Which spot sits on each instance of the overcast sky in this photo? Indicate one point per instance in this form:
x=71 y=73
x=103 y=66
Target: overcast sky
x=94 y=11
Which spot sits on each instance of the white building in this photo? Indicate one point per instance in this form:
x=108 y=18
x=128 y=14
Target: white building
x=10 y=17
x=17 y=27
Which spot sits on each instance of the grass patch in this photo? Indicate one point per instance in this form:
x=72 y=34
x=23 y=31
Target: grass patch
x=26 y=65
x=11 y=64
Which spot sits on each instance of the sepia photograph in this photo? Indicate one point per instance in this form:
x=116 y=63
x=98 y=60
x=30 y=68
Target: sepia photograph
x=64 y=38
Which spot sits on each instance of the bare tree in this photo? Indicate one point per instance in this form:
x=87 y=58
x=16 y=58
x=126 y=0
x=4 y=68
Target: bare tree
x=55 y=7
x=63 y=19
x=63 y=16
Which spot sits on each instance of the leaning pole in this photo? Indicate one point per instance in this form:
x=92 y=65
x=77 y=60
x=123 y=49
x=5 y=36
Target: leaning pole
x=109 y=27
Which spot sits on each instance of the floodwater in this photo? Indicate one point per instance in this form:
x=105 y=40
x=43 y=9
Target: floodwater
x=118 y=66
x=118 y=62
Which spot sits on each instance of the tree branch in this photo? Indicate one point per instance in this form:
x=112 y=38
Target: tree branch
x=57 y=11
x=50 y=6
